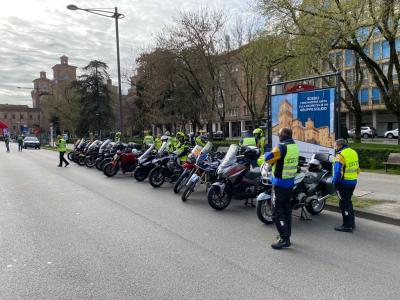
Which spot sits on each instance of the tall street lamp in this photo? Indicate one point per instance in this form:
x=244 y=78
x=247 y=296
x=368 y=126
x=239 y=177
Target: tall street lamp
x=110 y=13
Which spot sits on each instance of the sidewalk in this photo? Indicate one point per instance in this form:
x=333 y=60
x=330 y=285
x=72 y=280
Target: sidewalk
x=380 y=187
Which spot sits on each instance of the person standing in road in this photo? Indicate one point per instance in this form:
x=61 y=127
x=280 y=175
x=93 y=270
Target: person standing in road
x=284 y=159
x=20 y=140
x=62 y=148
x=7 y=142
x=345 y=174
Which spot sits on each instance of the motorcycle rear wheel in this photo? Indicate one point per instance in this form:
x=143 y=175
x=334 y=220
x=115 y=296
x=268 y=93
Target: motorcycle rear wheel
x=315 y=207
x=156 y=177
x=264 y=211
x=110 y=170
x=217 y=201
x=188 y=191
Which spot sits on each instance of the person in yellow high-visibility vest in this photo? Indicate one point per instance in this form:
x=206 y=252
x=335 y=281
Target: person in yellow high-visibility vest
x=284 y=159
x=345 y=174
x=62 y=148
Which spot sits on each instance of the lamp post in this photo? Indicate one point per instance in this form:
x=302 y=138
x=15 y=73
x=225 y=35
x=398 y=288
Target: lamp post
x=110 y=13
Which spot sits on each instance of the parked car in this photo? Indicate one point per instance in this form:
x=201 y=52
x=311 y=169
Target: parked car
x=366 y=132
x=31 y=142
x=219 y=135
x=391 y=134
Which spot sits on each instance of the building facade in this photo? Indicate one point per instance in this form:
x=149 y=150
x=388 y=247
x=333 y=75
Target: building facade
x=20 y=119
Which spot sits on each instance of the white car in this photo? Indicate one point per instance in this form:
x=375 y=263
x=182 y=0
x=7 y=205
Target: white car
x=366 y=132
x=391 y=134
x=31 y=142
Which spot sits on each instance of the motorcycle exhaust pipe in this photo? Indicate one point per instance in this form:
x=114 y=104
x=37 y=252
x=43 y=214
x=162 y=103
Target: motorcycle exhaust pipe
x=323 y=198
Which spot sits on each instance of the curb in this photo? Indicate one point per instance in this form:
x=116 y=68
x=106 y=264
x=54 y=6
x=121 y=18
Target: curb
x=365 y=214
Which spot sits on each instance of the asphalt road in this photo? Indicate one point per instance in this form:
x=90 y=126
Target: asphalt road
x=72 y=233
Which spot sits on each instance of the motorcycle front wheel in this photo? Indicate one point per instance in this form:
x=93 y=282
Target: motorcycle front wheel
x=110 y=170
x=81 y=160
x=70 y=155
x=182 y=180
x=264 y=211
x=98 y=164
x=90 y=161
x=140 y=174
x=217 y=200
x=188 y=191
x=157 y=177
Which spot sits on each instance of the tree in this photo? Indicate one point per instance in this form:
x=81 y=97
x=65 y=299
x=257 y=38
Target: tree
x=197 y=40
x=96 y=99
x=351 y=25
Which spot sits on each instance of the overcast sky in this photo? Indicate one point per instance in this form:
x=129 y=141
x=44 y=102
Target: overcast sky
x=35 y=33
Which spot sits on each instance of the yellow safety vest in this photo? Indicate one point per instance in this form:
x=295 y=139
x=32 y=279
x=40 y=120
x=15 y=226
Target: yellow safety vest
x=249 y=141
x=351 y=167
x=62 y=145
x=148 y=139
x=290 y=162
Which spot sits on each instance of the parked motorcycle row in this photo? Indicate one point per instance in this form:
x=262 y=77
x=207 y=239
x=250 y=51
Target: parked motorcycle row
x=233 y=175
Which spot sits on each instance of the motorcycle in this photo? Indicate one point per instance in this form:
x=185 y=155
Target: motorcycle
x=311 y=189
x=80 y=146
x=236 y=178
x=126 y=160
x=146 y=163
x=189 y=167
x=167 y=167
x=103 y=150
x=91 y=154
x=205 y=172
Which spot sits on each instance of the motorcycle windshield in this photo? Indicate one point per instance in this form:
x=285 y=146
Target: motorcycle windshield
x=196 y=151
x=147 y=153
x=81 y=143
x=105 y=144
x=204 y=153
x=230 y=157
x=163 y=148
x=94 y=144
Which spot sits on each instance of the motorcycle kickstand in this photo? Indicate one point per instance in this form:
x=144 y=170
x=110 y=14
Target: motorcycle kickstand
x=304 y=215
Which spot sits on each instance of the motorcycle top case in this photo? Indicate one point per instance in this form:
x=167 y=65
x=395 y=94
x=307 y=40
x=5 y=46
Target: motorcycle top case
x=328 y=187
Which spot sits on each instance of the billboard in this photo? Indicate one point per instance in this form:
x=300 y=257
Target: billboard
x=311 y=116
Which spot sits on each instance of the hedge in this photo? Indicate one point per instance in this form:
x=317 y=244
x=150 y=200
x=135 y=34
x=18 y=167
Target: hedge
x=373 y=157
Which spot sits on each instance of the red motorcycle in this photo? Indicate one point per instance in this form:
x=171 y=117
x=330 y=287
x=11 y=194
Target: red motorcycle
x=126 y=160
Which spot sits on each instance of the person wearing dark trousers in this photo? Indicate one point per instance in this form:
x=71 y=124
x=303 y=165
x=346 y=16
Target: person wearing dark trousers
x=345 y=174
x=20 y=140
x=62 y=148
x=284 y=159
x=7 y=142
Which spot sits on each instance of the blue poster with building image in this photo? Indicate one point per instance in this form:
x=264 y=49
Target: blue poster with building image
x=310 y=114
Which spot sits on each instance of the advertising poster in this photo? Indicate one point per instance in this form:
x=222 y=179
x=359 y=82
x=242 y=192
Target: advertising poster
x=310 y=114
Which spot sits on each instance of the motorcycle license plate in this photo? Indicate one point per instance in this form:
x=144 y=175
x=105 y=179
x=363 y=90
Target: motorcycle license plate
x=194 y=178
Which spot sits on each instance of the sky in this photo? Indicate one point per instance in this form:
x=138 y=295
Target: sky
x=35 y=33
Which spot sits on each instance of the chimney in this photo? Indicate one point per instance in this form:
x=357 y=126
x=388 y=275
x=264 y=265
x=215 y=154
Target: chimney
x=64 y=60
x=42 y=75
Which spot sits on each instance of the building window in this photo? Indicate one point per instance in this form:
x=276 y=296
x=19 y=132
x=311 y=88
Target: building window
x=13 y=116
x=30 y=117
x=363 y=96
x=376 y=96
x=21 y=117
x=385 y=49
x=349 y=58
x=5 y=116
x=376 y=51
x=349 y=76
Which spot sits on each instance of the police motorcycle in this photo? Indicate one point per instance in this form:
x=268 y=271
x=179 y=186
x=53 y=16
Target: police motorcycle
x=237 y=177
x=189 y=167
x=92 y=152
x=108 y=157
x=103 y=150
x=79 y=148
x=147 y=160
x=204 y=173
x=312 y=187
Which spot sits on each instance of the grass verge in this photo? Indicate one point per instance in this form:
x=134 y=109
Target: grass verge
x=357 y=202
x=390 y=171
